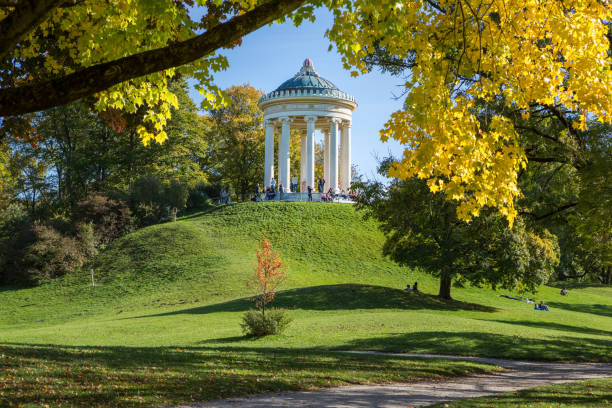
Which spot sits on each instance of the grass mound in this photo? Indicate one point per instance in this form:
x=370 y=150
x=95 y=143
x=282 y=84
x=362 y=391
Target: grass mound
x=162 y=324
x=183 y=283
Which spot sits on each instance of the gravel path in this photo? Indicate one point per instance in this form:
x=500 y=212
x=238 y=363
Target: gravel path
x=519 y=375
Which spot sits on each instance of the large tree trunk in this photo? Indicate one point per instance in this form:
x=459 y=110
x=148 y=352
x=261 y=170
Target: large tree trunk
x=445 y=286
x=607 y=275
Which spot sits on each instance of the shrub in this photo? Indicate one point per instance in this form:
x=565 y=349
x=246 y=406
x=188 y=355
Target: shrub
x=256 y=324
x=203 y=194
x=111 y=218
x=88 y=240
x=197 y=198
x=175 y=197
x=267 y=276
x=51 y=255
x=147 y=190
x=15 y=235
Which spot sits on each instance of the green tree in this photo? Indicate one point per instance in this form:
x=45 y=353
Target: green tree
x=422 y=229
x=236 y=151
x=79 y=153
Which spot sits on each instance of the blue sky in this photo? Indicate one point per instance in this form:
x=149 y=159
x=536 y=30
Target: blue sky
x=275 y=53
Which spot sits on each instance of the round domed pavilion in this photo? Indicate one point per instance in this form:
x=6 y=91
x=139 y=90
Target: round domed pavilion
x=309 y=102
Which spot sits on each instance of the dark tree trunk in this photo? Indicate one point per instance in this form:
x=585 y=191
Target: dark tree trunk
x=445 y=286
x=606 y=274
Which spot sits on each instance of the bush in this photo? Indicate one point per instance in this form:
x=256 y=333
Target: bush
x=203 y=194
x=51 y=255
x=15 y=234
x=111 y=218
x=256 y=324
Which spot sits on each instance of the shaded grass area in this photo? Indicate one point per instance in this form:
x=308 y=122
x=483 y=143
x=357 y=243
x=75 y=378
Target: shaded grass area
x=483 y=344
x=35 y=375
x=340 y=297
x=595 y=393
x=162 y=323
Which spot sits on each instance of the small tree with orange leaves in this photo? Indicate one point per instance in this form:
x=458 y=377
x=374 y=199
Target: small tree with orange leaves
x=267 y=277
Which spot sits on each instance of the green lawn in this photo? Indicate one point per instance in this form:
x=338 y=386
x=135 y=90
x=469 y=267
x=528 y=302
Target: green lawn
x=183 y=286
x=580 y=394
x=62 y=376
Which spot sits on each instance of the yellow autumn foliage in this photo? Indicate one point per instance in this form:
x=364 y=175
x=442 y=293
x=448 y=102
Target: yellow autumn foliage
x=531 y=52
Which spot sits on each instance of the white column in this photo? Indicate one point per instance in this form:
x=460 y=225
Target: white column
x=345 y=171
x=279 y=160
x=269 y=152
x=303 y=163
x=326 y=160
x=333 y=154
x=310 y=151
x=340 y=157
x=284 y=158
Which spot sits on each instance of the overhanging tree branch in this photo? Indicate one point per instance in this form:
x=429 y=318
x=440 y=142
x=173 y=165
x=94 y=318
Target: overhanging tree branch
x=44 y=95
x=26 y=15
x=551 y=213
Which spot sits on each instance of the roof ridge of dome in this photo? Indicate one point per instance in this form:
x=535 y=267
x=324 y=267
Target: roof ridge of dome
x=307 y=77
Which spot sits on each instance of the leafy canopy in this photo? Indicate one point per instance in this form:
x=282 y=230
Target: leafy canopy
x=544 y=52
x=122 y=51
x=422 y=230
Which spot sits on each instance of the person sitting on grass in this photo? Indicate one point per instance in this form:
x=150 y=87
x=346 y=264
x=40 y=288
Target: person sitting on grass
x=541 y=306
x=408 y=288
x=331 y=195
x=563 y=292
x=415 y=287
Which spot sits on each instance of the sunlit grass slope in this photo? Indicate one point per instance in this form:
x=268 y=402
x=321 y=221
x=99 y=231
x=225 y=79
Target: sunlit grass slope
x=183 y=284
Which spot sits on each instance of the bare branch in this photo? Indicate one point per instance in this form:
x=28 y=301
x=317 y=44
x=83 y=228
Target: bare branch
x=44 y=95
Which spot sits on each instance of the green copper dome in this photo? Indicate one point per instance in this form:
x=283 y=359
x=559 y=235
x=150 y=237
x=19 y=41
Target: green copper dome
x=307 y=84
x=307 y=79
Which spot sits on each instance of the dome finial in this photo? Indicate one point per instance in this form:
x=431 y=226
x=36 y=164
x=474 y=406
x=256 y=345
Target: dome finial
x=308 y=63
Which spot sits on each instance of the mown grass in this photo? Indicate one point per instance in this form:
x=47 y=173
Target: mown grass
x=182 y=285
x=581 y=394
x=34 y=376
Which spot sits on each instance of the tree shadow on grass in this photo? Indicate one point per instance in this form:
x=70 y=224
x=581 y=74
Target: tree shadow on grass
x=489 y=345
x=198 y=213
x=340 y=297
x=555 y=326
x=597 y=309
x=86 y=376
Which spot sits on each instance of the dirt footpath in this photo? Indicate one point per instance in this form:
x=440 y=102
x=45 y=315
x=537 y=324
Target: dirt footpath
x=519 y=375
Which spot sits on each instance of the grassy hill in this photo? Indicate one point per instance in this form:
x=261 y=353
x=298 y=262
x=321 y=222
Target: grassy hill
x=172 y=294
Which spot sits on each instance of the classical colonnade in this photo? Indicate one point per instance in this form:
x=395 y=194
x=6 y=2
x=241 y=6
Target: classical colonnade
x=336 y=151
